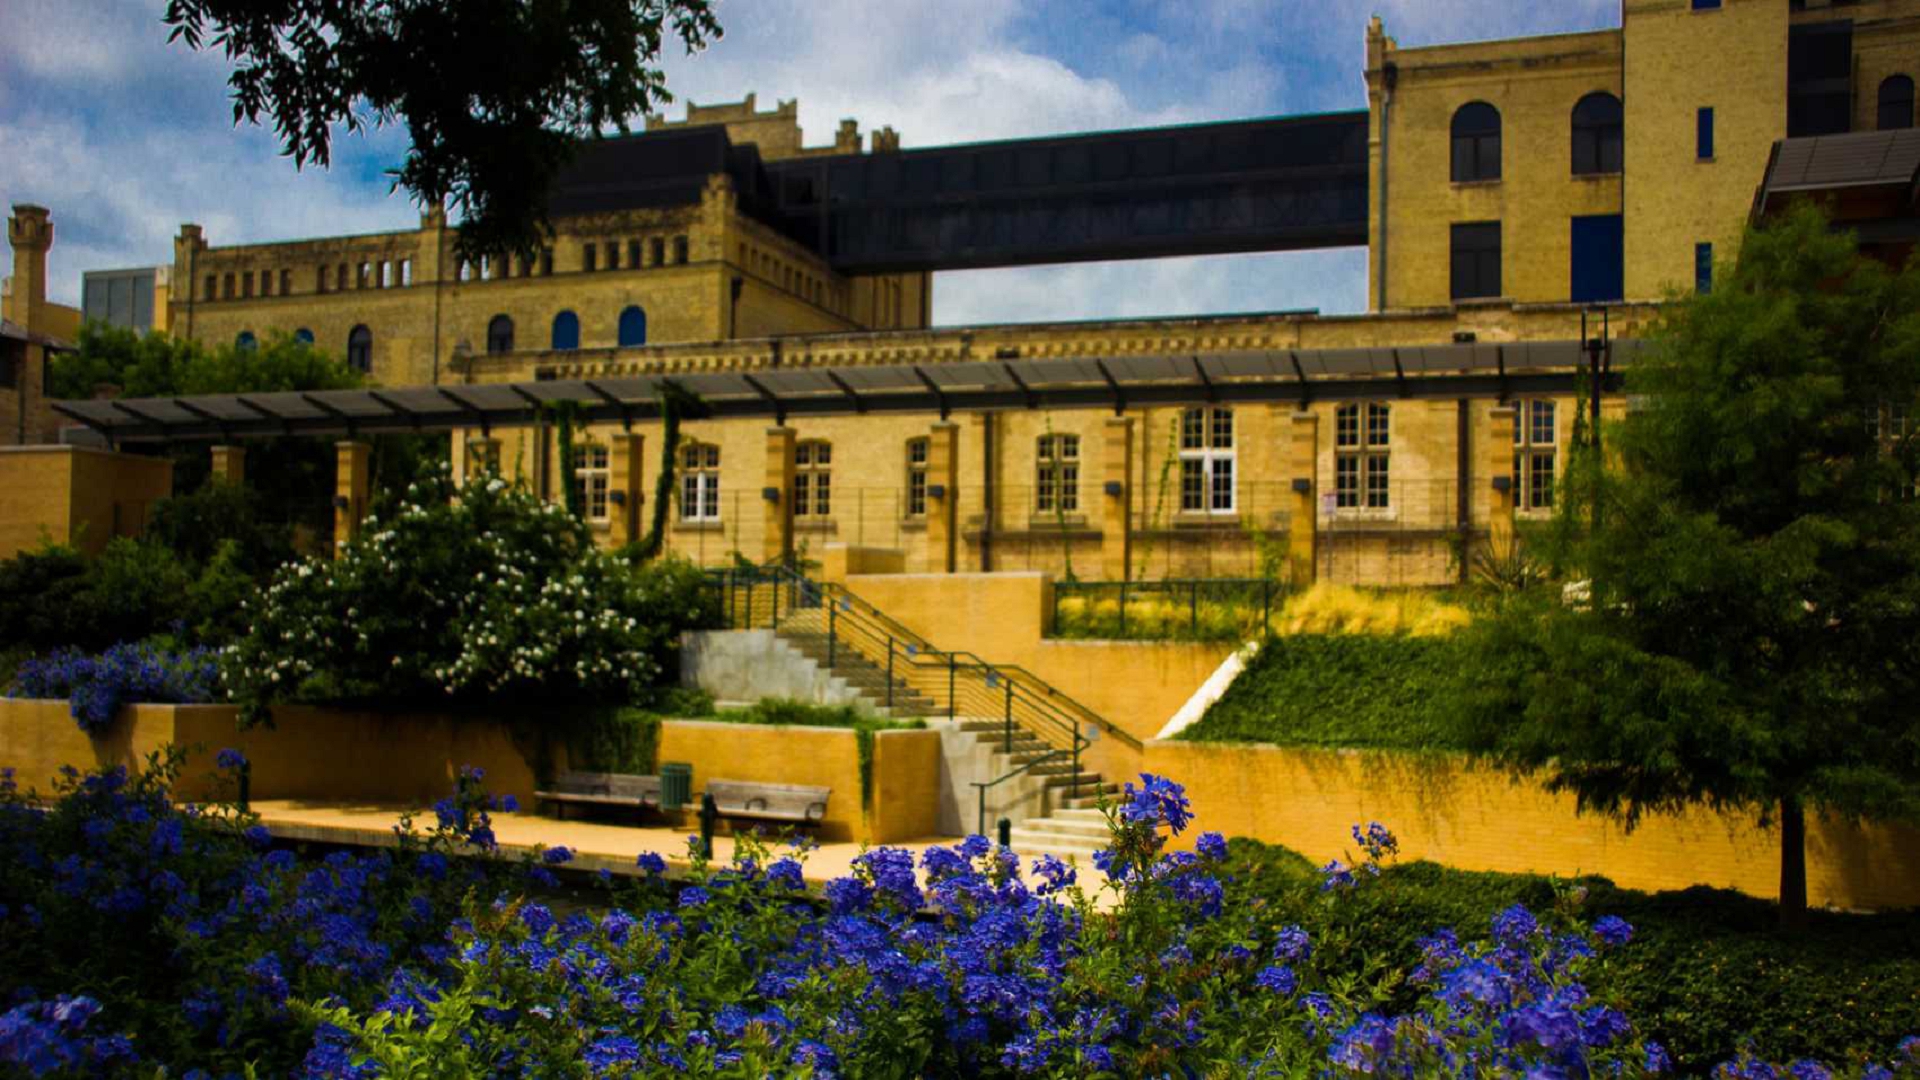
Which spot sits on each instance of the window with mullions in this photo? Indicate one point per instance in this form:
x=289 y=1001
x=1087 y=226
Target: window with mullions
x=1534 y=444
x=1889 y=426
x=1598 y=135
x=1476 y=260
x=813 y=479
x=1895 y=103
x=699 y=482
x=1206 y=461
x=1056 y=476
x=591 y=472
x=1476 y=143
x=917 y=477
x=1362 y=459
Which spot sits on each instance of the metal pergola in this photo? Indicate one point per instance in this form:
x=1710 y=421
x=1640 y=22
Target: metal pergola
x=778 y=393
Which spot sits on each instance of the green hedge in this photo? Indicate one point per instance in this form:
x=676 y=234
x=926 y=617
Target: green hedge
x=1707 y=969
x=1338 y=690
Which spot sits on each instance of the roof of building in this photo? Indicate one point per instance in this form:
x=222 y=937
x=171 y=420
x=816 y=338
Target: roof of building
x=1862 y=158
x=1118 y=382
x=13 y=331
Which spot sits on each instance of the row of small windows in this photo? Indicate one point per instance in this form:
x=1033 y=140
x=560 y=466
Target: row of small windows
x=605 y=254
x=630 y=330
x=246 y=284
x=793 y=279
x=359 y=345
x=1599 y=144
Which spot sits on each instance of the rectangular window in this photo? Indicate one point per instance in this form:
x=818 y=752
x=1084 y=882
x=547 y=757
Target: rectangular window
x=1362 y=463
x=813 y=479
x=700 y=483
x=1598 y=249
x=657 y=248
x=633 y=254
x=1476 y=260
x=1706 y=5
x=916 y=477
x=1703 y=268
x=1206 y=461
x=1056 y=481
x=1535 y=442
x=591 y=473
x=590 y=257
x=1703 y=134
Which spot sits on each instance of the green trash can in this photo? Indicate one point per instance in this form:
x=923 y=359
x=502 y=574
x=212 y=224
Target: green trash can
x=676 y=784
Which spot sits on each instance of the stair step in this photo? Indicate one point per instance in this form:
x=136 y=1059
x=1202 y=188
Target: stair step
x=1031 y=842
x=1069 y=830
x=1084 y=781
x=1079 y=815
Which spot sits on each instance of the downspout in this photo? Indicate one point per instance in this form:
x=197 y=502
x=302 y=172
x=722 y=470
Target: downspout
x=986 y=492
x=1463 y=439
x=1389 y=76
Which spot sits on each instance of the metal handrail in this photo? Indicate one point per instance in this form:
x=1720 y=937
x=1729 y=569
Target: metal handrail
x=980 y=787
x=851 y=617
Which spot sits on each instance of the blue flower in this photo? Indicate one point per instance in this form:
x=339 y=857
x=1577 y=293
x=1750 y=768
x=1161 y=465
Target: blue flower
x=1159 y=801
x=1211 y=845
x=555 y=856
x=1278 y=978
x=693 y=896
x=230 y=758
x=258 y=836
x=1292 y=944
x=1658 y=1061
x=1335 y=875
x=1613 y=930
x=1515 y=926
x=653 y=864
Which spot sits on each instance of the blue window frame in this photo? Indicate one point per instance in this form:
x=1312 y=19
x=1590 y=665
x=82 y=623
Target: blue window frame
x=1703 y=268
x=303 y=335
x=1704 y=134
x=246 y=342
x=566 y=331
x=633 y=326
x=1706 y=5
x=1598 y=271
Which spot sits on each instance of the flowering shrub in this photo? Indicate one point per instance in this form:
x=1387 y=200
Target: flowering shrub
x=481 y=595
x=949 y=964
x=126 y=673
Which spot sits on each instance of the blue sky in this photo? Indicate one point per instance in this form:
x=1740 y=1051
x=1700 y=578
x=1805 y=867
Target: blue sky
x=125 y=136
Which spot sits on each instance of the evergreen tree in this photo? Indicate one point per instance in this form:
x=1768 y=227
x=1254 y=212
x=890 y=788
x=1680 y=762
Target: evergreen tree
x=1744 y=632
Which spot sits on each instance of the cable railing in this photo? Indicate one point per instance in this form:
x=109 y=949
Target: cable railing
x=913 y=672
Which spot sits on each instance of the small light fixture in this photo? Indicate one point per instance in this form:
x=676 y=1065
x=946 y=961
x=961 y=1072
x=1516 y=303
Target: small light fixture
x=1114 y=488
x=1465 y=337
x=1503 y=484
x=1302 y=485
x=339 y=502
x=617 y=498
x=993 y=679
x=771 y=494
x=936 y=491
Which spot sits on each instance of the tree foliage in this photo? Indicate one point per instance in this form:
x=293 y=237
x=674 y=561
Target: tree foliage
x=494 y=93
x=1749 y=633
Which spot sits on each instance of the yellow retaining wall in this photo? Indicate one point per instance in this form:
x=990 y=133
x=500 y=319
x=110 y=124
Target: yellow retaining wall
x=310 y=753
x=1135 y=685
x=906 y=771
x=1445 y=808
x=76 y=495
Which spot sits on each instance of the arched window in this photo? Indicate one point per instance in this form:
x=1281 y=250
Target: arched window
x=1056 y=474
x=813 y=479
x=917 y=477
x=699 y=482
x=303 y=336
x=1896 y=102
x=1362 y=461
x=1206 y=461
x=633 y=326
x=246 y=341
x=500 y=334
x=1598 y=142
x=566 y=331
x=1476 y=142
x=360 y=349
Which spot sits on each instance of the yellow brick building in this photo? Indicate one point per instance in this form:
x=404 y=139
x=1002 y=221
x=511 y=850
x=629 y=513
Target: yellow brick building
x=1519 y=193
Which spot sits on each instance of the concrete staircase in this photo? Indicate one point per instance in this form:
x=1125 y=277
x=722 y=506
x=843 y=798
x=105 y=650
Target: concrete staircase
x=1071 y=833
x=860 y=674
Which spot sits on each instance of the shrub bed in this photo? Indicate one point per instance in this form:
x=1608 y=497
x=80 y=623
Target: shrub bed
x=1346 y=690
x=141 y=940
x=98 y=685
x=1708 y=969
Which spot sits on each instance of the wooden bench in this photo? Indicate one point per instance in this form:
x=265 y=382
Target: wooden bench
x=602 y=789
x=789 y=804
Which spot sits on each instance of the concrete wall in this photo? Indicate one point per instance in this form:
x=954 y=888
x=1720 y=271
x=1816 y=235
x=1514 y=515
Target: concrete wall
x=309 y=753
x=905 y=771
x=1449 y=810
x=747 y=665
x=76 y=495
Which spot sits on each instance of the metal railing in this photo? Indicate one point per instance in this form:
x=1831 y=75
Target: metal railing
x=957 y=684
x=1212 y=609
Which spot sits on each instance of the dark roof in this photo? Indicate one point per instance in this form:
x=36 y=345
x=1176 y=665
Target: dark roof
x=1864 y=158
x=1091 y=382
x=13 y=331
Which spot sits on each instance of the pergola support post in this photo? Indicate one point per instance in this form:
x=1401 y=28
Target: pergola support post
x=351 y=467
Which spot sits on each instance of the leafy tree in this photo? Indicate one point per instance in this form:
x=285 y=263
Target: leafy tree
x=1748 y=635
x=493 y=95
x=129 y=364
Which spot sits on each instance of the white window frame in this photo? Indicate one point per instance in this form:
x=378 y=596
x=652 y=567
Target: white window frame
x=1056 y=473
x=592 y=478
x=1363 y=459
x=700 y=482
x=1207 y=456
x=1536 y=452
x=813 y=479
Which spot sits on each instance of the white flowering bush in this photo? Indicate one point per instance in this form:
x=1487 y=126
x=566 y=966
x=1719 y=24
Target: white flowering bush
x=480 y=597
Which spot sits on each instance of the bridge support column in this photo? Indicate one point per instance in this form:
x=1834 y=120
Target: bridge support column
x=351 y=462
x=1303 y=528
x=625 y=488
x=943 y=496
x=1116 y=500
x=1504 y=496
x=777 y=496
x=230 y=465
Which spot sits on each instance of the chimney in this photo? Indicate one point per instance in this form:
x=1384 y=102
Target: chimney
x=30 y=232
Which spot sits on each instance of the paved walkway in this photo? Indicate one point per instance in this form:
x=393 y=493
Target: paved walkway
x=595 y=844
